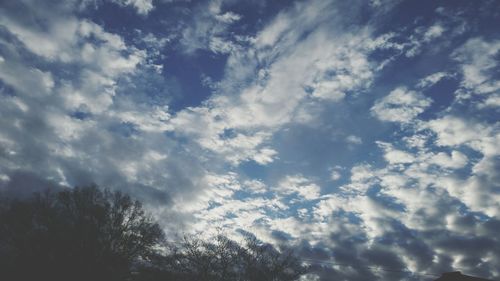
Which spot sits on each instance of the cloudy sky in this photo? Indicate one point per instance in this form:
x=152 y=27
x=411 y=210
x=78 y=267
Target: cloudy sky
x=365 y=134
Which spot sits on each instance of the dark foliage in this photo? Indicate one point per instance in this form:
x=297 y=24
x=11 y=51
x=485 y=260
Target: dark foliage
x=223 y=259
x=89 y=234
x=79 y=234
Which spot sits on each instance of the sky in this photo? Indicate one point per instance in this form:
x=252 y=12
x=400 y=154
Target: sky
x=363 y=134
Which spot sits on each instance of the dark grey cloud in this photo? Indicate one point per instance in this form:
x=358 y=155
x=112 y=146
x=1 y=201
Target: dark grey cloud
x=23 y=185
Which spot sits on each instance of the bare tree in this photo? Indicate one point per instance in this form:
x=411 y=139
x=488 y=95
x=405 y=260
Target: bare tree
x=77 y=234
x=223 y=259
x=88 y=234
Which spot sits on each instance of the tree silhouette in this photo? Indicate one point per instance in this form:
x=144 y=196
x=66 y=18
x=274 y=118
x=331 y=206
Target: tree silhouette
x=78 y=234
x=89 y=234
x=222 y=259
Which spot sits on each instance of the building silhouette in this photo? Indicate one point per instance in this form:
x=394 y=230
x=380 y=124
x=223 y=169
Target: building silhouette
x=458 y=276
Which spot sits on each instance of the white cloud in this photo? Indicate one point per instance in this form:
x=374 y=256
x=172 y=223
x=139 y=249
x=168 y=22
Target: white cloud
x=64 y=76
x=228 y=17
x=290 y=73
x=255 y=186
x=493 y=100
x=478 y=65
x=453 y=131
x=299 y=185
x=53 y=43
x=156 y=120
x=208 y=29
x=416 y=140
x=476 y=191
x=265 y=155
x=362 y=177
x=455 y=160
x=37 y=83
x=345 y=69
x=432 y=79
x=335 y=175
x=395 y=156
x=433 y=32
x=352 y=139
x=324 y=208
x=143 y=7
x=269 y=36
x=61 y=41
x=401 y=105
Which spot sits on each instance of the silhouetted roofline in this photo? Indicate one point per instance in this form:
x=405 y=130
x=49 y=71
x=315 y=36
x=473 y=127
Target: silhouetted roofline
x=458 y=276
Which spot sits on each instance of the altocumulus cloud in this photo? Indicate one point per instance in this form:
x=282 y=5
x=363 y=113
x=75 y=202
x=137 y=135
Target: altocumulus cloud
x=364 y=139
